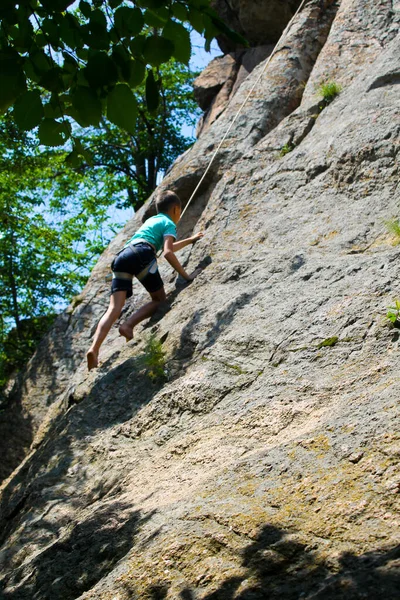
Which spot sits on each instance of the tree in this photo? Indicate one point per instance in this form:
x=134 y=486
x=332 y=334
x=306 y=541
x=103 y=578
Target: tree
x=51 y=221
x=59 y=63
x=135 y=160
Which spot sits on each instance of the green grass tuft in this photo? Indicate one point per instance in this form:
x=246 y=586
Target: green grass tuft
x=329 y=90
x=393 y=226
x=286 y=149
x=154 y=359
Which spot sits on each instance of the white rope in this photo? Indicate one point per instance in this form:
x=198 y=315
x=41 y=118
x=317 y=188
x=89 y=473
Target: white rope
x=285 y=31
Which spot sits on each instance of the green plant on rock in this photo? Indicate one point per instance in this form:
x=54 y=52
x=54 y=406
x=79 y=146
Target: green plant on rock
x=329 y=90
x=393 y=226
x=393 y=312
x=332 y=341
x=154 y=359
x=289 y=147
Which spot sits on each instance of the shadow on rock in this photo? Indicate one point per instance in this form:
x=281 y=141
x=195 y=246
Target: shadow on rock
x=76 y=561
x=16 y=434
x=223 y=318
x=109 y=402
x=277 y=567
x=180 y=286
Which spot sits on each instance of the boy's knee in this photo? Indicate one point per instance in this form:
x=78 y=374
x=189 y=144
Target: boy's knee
x=114 y=312
x=159 y=297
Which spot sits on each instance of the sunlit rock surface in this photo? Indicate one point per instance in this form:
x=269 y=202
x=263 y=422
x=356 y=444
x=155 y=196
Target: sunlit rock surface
x=267 y=465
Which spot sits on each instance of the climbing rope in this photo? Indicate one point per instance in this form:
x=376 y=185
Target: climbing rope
x=274 y=51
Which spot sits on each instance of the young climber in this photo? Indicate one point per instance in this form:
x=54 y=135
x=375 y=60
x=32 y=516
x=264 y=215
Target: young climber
x=138 y=258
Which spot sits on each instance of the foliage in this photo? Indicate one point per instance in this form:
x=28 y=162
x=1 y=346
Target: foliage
x=135 y=160
x=51 y=220
x=393 y=226
x=154 y=359
x=328 y=90
x=393 y=312
x=60 y=62
x=289 y=147
x=332 y=341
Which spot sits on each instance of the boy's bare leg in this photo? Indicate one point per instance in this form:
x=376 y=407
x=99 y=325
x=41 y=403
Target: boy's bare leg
x=143 y=313
x=117 y=301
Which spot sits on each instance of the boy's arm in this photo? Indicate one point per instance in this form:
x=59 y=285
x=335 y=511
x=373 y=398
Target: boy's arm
x=179 y=245
x=173 y=260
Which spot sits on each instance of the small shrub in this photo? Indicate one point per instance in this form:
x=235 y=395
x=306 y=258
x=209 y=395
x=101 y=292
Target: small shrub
x=286 y=149
x=154 y=359
x=393 y=312
x=328 y=90
x=393 y=226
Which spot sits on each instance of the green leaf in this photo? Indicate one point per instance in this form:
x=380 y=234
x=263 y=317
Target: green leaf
x=179 y=11
x=128 y=21
x=122 y=107
x=73 y=159
x=157 y=50
x=87 y=106
x=196 y=19
x=85 y=8
x=52 y=80
x=22 y=35
x=50 y=29
x=70 y=64
x=153 y=4
x=137 y=72
x=28 y=110
x=40 y=40
x=82 y=151
x=99 y=18
x=12 y=79
x=154 y=19
x=69 y=31
x=136 y=45
x=82 y=53
x=98 y=31
x=114 y=3
x=53 y=133
x=100 y=70
x=181 y=39
x=52 y=111
x=41 y=62
x=152 y=92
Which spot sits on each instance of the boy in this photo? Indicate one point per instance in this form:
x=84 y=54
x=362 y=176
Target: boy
x=138 y=258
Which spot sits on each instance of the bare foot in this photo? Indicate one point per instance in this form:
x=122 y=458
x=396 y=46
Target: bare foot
x=126 y=331
x=92 y=359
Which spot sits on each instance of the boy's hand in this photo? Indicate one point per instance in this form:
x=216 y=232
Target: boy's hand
x=196 y=236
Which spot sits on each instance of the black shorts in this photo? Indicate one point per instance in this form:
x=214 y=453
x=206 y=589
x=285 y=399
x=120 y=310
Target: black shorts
x=138 y=260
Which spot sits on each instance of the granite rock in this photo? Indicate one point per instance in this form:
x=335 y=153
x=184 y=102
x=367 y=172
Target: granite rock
x=267 y=464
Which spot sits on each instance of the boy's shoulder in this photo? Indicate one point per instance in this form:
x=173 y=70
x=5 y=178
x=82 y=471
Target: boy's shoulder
x=161 y=219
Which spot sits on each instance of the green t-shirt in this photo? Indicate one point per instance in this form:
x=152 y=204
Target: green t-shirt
x=154 y=230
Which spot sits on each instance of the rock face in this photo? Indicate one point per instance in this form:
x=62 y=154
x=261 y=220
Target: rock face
x=267 y=465
x=259 y=21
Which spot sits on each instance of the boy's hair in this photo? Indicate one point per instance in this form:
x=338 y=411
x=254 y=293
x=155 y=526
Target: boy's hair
x=166 y=201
